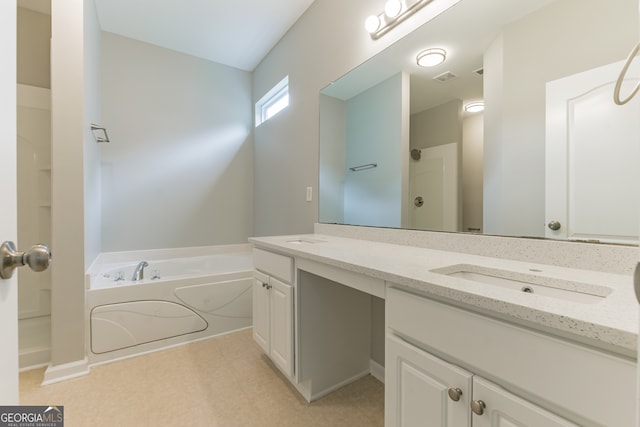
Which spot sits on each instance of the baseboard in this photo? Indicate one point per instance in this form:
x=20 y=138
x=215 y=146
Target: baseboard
x=335 y=387
x=33 y=358
x=376 y=370
x=67 y=371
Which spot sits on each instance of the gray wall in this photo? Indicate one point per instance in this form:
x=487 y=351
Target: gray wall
x=326 y=42
x=374 y=130
x=472 y=170
x=437 y=126
x=91 y=150
x=179 y=169
x=332 y=152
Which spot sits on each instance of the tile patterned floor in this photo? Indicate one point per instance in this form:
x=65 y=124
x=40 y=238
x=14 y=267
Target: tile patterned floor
x=220 y=382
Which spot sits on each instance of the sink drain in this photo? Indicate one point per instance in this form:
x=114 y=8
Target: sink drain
x=527 y=289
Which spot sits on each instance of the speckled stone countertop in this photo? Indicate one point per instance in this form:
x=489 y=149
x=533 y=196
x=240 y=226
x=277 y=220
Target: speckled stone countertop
x=610 y=324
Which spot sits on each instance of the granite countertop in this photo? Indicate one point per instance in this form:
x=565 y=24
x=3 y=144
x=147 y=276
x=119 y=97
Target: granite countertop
x=610 y=324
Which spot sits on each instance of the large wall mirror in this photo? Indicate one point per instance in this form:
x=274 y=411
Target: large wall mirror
x=550 y=156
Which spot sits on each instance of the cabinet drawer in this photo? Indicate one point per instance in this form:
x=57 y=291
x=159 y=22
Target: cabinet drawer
x=573 y=380
x=273 y=264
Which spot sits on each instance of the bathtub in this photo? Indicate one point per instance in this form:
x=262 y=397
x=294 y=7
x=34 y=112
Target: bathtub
x=186 y=294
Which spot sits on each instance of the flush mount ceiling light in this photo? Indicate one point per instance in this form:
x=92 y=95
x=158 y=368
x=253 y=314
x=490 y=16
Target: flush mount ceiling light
x=474 y=107
x=431 y=57
x=395 y=11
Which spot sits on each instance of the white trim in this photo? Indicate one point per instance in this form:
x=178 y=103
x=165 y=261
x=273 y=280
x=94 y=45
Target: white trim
x=376 y=370
x=341 y=384
x=67 y=371
x=32 y=358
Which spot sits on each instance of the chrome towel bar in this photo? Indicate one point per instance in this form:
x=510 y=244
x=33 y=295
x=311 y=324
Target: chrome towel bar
x=363 y=167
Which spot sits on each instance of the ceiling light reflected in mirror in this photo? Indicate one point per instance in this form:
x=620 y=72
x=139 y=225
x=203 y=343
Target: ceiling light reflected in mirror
x=431 y=57
x=474 y=107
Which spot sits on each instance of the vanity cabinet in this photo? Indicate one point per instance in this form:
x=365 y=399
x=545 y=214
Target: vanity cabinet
x=446 y=366
x=273 y=289
x=427 y=391
x=418 y=385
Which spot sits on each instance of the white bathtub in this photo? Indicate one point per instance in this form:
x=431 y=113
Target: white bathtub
x=187 y=294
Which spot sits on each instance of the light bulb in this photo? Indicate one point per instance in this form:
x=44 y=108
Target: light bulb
x=372 y=24
x=392 y=8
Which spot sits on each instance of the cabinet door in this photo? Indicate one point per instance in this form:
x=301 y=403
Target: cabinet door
x=417 y=389
x=261 y=312
x=281 y=331
x=504 y=409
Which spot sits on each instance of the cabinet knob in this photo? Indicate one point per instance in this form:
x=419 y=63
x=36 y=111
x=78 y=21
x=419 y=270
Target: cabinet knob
x=264 y=285
x=454 y=394
x=554 y=225
x=269 y=287
x=477 y=406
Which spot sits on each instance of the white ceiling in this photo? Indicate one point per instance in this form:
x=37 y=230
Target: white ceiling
x=237 y=33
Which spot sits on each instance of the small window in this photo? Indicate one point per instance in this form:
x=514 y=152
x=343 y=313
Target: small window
x=276 y=100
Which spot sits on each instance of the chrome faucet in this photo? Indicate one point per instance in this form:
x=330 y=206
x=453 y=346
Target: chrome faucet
x=138 y=273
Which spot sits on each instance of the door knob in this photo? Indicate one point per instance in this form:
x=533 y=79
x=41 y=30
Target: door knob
x=38 y=258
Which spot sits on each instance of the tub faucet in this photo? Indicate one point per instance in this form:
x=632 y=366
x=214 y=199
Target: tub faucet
x=138 y=273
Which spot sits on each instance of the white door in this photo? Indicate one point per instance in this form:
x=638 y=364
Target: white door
x=8 y=206
x=425 y=390
x=592 y=152
x=433 y=192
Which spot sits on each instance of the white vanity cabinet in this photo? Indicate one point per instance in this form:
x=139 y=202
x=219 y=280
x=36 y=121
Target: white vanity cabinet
x=427 y=391
x=423 y=390
x=273 y=289
x=501 y=374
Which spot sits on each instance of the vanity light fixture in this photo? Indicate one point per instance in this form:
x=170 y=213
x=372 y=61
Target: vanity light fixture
x=395 y=11
x=431 y=57
x=474 y=107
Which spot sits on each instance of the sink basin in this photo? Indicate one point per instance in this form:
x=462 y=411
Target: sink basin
x=303 y=240
x=528 y=283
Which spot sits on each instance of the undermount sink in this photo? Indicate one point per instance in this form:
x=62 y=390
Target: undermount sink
x=303 y=240
x=528 y=283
